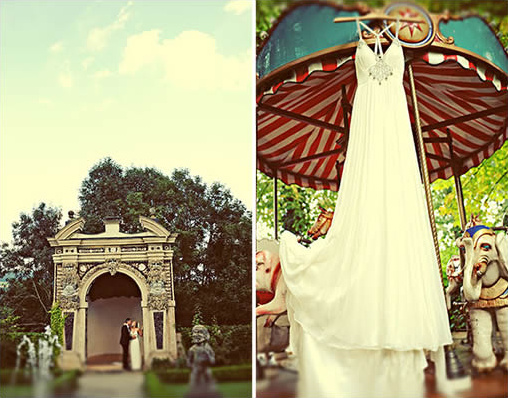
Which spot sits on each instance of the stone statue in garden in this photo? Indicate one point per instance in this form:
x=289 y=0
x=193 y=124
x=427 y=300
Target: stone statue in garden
x=200 y=357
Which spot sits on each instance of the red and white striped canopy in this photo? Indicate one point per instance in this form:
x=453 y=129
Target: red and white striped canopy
x=448 y=87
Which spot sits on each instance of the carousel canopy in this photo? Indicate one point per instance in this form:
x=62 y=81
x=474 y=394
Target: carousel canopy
x=306 y=83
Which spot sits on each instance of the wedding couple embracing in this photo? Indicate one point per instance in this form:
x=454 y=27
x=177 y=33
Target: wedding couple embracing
x=129 y=340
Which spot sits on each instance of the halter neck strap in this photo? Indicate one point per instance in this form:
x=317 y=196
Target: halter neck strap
x=377 y=46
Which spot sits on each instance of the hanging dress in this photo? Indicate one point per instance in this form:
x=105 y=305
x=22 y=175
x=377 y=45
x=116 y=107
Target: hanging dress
x=366 y=300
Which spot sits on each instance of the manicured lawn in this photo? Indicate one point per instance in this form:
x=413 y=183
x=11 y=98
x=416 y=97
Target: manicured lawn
x=9 y=391
x=156 y=389
x=63 y=385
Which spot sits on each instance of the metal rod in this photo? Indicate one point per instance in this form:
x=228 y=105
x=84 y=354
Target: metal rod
x=383 y=17
x=460 y=201
x=465 y=118
x=425 y=172
x=275 y=206
x=307 y=158
x=458 y=185
x=301 y=118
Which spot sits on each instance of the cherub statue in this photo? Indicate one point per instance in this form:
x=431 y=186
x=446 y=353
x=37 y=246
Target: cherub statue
x=199 y=357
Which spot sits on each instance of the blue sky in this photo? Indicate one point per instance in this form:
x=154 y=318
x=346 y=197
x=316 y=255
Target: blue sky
x=164 y=84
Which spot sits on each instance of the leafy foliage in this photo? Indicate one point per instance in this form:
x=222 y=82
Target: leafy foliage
x=28 y=267
x=212 y=263
x=298 y=207
x=57 y=325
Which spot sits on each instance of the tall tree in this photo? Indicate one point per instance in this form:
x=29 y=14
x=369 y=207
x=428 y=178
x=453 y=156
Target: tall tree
x=212 y=257
x=28 y=266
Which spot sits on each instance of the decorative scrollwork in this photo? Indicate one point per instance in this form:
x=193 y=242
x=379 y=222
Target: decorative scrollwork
x=158 y=302
x=69 y=303
x=68 y=286
x=112 y=265
x=444 y=17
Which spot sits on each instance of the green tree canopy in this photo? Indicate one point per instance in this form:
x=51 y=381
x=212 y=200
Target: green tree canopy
x=28 y=266
x=212 y=257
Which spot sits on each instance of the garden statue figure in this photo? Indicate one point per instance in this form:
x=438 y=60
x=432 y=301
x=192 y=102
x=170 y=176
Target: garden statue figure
x=199 y=357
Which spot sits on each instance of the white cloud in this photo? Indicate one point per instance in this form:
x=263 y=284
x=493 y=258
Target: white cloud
x=238 y=6
x=56 y=47
x=98 y=37
x=101 y=74
x=189 y=60
x=65 y=79
x=87 y=62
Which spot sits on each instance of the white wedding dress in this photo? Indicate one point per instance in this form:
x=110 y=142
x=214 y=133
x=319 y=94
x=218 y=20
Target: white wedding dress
x=367 y=300
x=135 y=352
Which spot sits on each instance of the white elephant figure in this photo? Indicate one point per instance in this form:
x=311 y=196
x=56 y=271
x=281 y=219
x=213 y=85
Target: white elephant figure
x=484 y=261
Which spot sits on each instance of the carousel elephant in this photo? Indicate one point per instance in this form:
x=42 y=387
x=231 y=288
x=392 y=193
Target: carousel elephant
x=485 y=286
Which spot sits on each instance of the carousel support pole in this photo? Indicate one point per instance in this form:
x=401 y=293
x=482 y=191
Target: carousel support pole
x=275 y=207
x=454 y=369
x=423 y=165
x=346 y=112
x=458 y=186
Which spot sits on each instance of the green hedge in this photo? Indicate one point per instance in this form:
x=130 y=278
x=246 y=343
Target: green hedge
x=20 y=378
x=221 y=374
x=63 y=385
x=8 y=344
x=66 y=384
x=232 y=343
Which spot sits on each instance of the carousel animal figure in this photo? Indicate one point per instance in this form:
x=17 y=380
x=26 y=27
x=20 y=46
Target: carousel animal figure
x=322 y=224
x=484 y=261
x=200 y=357
x=273 y=324
x=454 y=273
x=270 y=286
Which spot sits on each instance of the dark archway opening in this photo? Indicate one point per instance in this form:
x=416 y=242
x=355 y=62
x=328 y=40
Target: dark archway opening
x=111 y=299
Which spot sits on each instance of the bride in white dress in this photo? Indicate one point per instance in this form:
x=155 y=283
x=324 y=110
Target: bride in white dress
x=135 y=349
x=366 y=301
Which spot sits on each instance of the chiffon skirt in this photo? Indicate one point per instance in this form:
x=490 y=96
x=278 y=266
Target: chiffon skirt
x=369 y=295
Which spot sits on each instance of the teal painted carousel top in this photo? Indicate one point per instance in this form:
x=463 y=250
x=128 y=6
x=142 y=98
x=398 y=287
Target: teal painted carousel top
x=309 y=28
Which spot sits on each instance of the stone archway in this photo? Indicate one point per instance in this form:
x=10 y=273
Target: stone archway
x=111 y=299
x=145 y=258
x=91 y=319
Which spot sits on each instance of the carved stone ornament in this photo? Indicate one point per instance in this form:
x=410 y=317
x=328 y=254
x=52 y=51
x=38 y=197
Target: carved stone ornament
x=69 y=283
x=69 y=303
x=70 y=290
x=158 y=302
x=157 y=288
x=112 y=266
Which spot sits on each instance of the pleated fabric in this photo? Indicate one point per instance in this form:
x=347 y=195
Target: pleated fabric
x=367 y=300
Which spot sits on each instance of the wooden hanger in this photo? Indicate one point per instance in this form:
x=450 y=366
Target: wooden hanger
x=374 y=15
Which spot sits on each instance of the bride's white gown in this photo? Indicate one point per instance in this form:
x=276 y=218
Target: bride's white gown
x=135 y=352
x=367 y=300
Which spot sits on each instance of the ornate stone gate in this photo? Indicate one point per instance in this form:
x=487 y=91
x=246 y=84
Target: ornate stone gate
x=145 y=257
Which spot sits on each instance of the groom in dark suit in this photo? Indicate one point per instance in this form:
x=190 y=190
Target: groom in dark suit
x=125 y=338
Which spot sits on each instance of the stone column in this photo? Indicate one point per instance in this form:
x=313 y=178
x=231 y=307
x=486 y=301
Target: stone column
x=80 y=333
x=170 y=331
x=148 y=344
